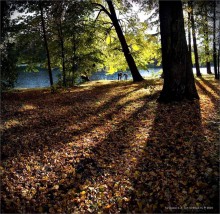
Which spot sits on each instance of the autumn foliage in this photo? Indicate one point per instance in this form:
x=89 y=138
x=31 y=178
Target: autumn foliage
x=109 y=147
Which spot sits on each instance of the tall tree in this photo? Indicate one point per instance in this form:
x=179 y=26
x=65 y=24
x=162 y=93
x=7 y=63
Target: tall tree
x=58 y=13
x=8 y=51
x=178 y=76
x=46 y=42
x=218 y=75
x=206 y=41
x=198 y=73
x=189 y=32
x=128 y=56
x=214 y=41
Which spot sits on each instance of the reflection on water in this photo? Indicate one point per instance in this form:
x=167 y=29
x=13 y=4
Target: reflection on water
x=40 y=79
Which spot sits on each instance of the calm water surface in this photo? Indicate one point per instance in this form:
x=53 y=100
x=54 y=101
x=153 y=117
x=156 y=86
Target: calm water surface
x=40 y=79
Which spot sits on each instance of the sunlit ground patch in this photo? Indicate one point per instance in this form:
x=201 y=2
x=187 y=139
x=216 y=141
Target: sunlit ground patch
x=27 y=107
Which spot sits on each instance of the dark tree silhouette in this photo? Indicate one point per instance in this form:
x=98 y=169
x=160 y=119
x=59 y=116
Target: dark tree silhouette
x=214 y=42
x=130 y=60
x=177 y=67
x=46 y=43
x=206 y=32
x=198 y=73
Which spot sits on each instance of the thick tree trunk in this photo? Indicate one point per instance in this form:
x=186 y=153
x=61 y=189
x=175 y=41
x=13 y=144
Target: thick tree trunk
x=218 y=70
x=198 y=73
x=178 y=76
x=46 y=44
x=131 y=63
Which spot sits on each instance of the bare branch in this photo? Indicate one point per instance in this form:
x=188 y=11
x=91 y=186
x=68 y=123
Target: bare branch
x=98 y=14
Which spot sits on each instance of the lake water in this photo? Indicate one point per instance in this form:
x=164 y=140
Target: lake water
x=40 y=79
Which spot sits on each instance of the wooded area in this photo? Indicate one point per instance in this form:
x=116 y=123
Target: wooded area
x=139 y=145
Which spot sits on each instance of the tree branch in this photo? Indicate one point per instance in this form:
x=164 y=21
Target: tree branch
x=103 y=9
x=98 y=14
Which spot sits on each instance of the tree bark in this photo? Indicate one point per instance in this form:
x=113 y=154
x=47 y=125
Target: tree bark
x=46 y=44
x=218 y=70
x=198 y=73
x=189 y=36
x=130 y=60
x=177 y=67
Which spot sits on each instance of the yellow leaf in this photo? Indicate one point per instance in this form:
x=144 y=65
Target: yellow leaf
x=134 y=159
x=108 y=40
x=83 y=193
x=45 y=178
x=135 y=47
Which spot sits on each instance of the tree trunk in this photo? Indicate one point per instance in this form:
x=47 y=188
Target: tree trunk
x=131 y=63
x=60 y=32
x=198 y=73
x=206 y=32
x=189 y=35
x=218 y=70
x=4 y=19
x=214 y=43
x=177 y=67
x=46 y=44
x=74 y=63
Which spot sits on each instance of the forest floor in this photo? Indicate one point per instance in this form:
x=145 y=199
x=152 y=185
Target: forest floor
x=109 y=147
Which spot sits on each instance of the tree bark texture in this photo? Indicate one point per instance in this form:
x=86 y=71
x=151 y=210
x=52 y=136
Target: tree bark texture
x=177 y=67
x=218 y=69
x=46 y=44
x=130 y=60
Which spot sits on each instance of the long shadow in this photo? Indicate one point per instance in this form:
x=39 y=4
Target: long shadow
x=104 y=158
x=205 y=91
x=58 y=123
x=210 y=85
x=34 y=96
x=179 y=169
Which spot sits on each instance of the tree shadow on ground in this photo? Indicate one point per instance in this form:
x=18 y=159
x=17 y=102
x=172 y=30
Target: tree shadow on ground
x=43 y=125
x=211 y=83
x=205 y=91
x=145 y=159
x=105 y=159
x=106 y=162
x=179 y=168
